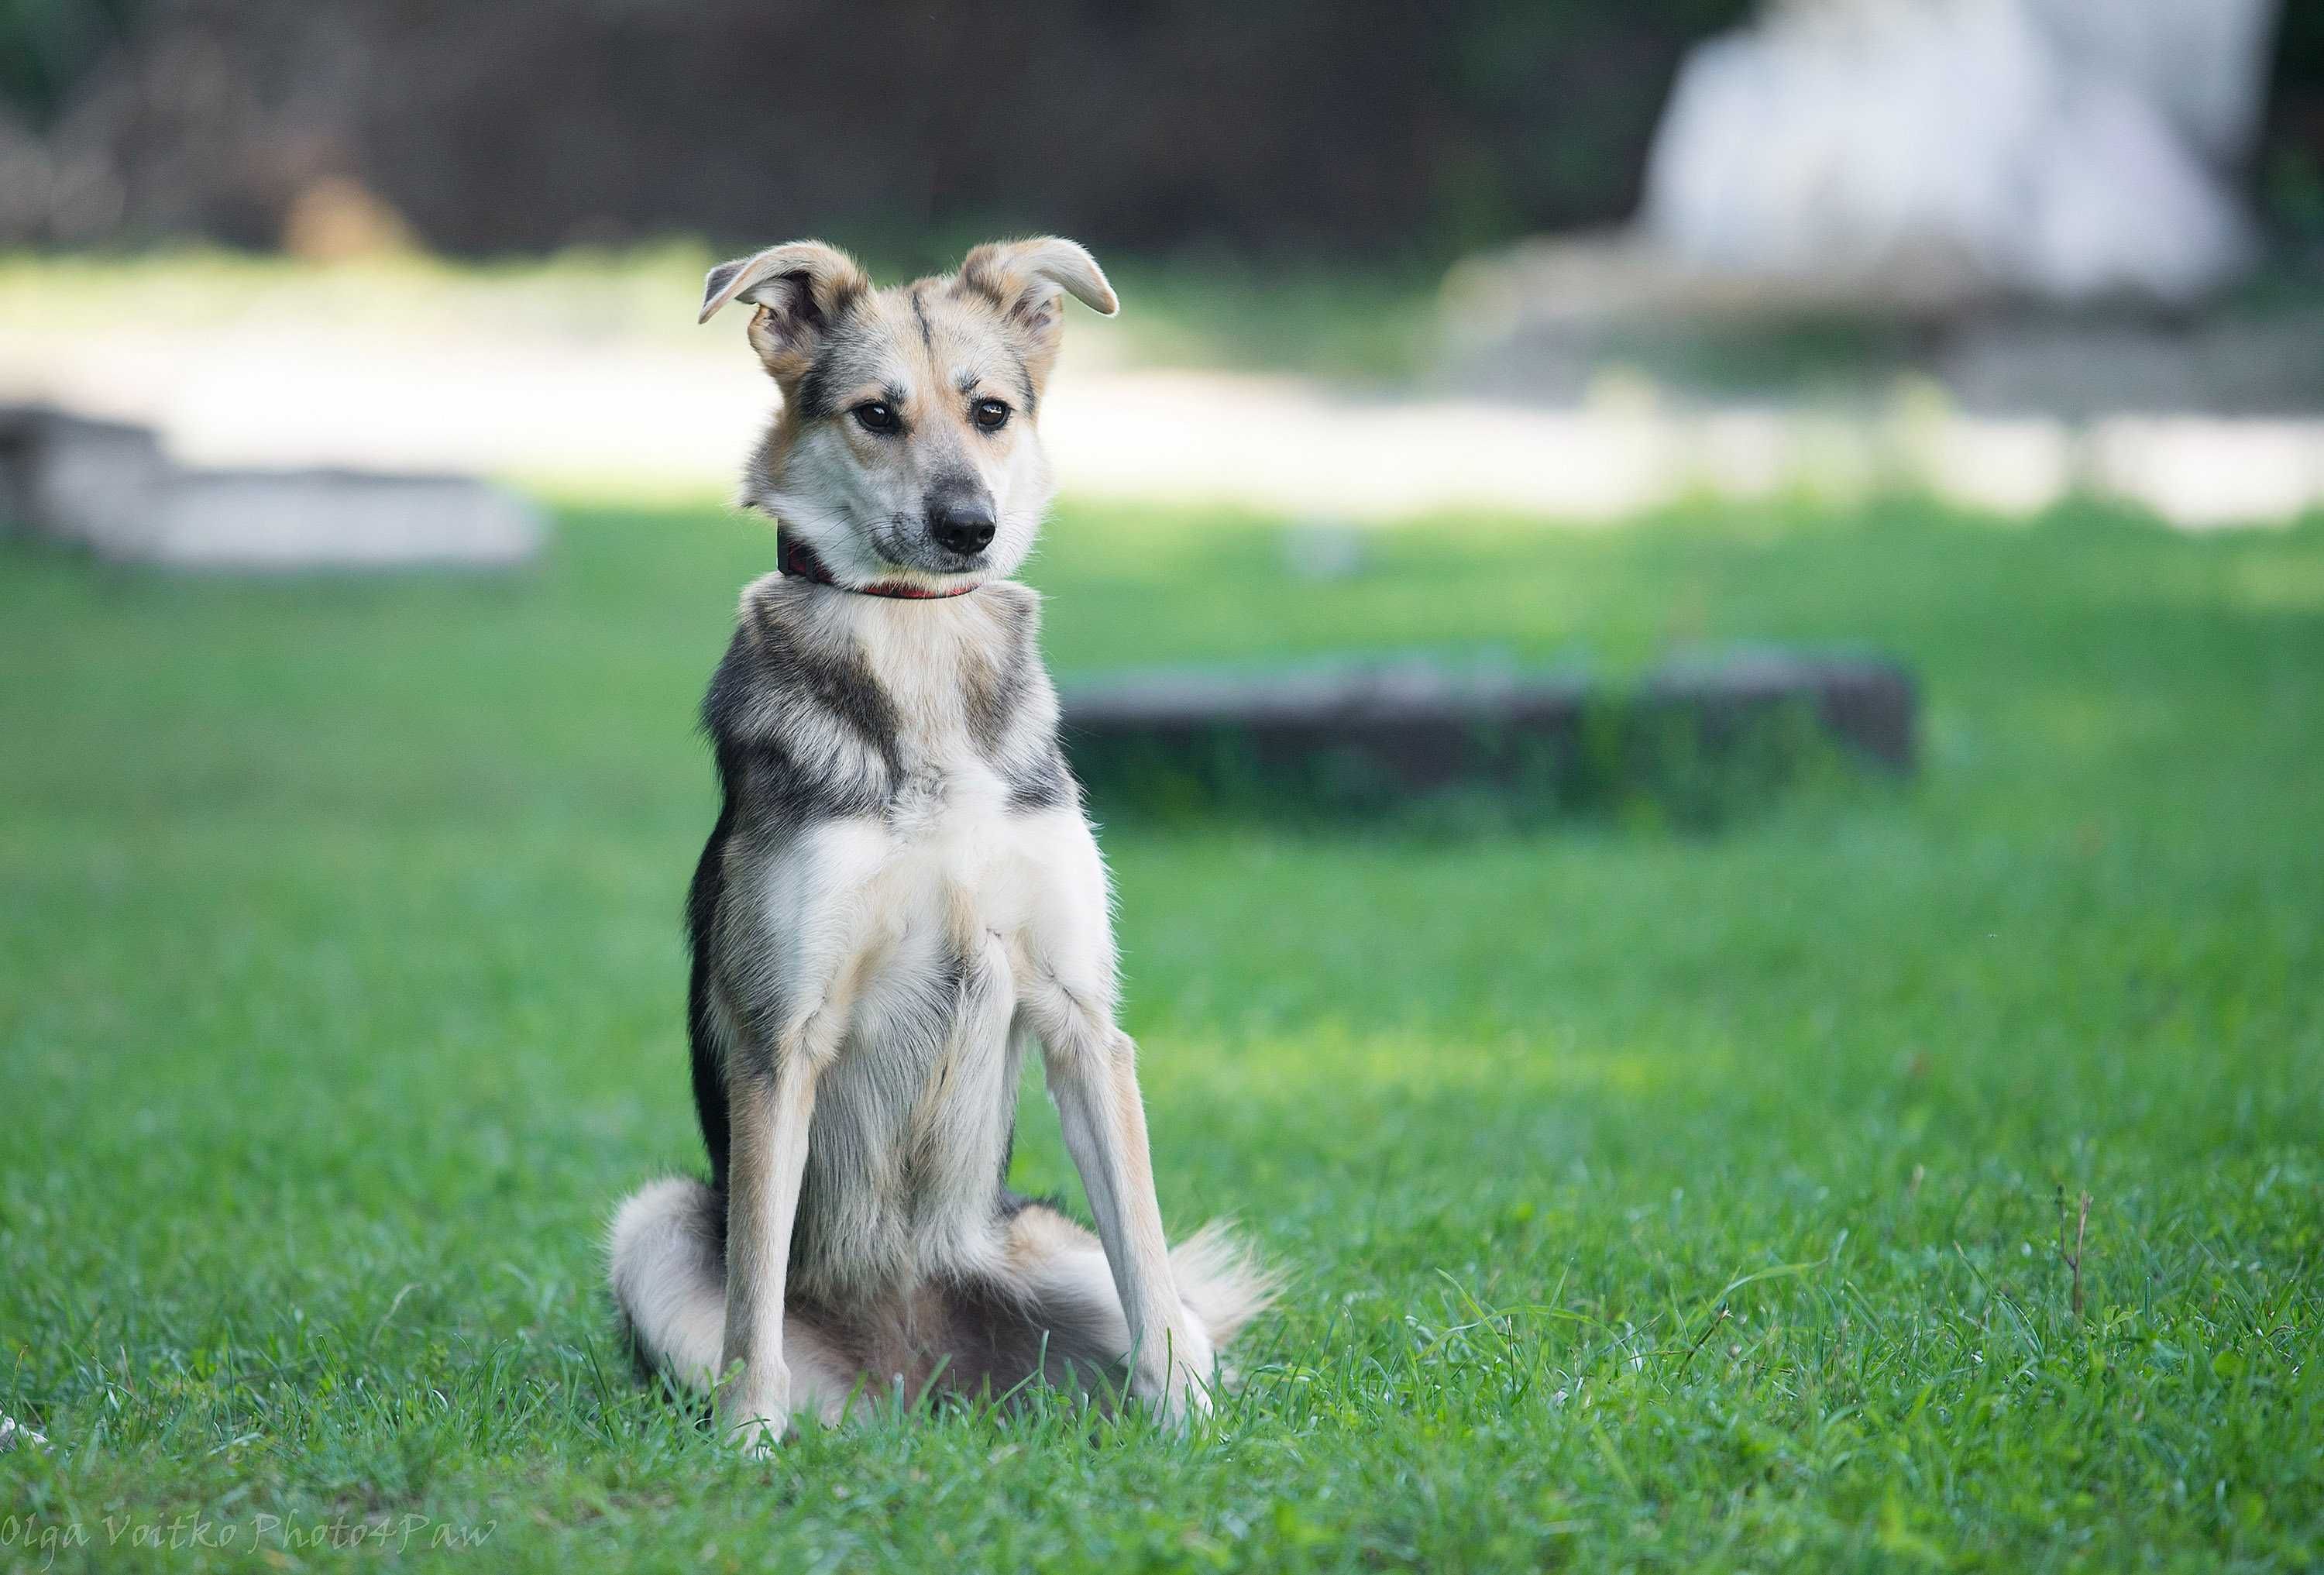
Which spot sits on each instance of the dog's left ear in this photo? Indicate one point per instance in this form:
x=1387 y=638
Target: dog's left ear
x=1026 y=279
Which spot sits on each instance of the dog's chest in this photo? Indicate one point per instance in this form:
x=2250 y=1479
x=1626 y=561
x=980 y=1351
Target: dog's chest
x=945 y=792
x=948 y=816
x=914 y=1114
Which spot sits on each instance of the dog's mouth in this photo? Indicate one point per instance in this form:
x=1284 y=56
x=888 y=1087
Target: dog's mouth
x=799 y=560
x=906 y=551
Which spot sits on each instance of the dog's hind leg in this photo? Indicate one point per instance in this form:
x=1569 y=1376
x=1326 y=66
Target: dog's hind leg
x=1061 y=1315
x=671 y=1283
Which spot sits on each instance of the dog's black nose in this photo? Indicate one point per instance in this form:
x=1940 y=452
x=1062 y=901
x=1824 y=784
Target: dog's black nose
x=964 y=525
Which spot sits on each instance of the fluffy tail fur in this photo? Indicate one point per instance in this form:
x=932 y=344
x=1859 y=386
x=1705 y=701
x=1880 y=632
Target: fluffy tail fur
x=668 y=1270
x=1048 y=1309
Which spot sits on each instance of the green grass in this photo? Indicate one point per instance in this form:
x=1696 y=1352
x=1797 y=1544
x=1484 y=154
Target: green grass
x=1656 y=1200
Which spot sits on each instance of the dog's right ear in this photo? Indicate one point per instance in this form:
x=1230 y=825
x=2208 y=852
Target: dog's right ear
x=800 y=288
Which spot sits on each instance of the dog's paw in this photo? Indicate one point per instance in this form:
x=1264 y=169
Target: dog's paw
x=755 y=1427
x=1184 y=1407
x=1181 y=1396
x=754 y=1408
x=14 y=1434
x=1189 y=1404
x=757 y=1437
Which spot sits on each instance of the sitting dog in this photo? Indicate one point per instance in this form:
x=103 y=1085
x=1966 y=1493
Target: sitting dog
x=901 y=894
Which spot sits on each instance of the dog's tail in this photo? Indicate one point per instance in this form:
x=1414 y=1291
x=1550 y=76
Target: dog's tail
x=1045 y=1309
x=667 y=1264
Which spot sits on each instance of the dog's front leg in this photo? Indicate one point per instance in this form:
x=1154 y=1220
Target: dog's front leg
x=833 y=941
x=1092 y=1075
x=770 y=1107
x=769 y=1110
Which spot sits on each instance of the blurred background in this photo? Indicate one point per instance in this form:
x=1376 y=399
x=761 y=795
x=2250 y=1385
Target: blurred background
x=1575 y=257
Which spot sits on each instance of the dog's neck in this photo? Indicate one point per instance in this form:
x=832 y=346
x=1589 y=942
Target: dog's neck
x=797 y=560
x=938 y=683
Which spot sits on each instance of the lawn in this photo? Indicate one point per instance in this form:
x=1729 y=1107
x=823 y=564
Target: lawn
x=1656 y=1199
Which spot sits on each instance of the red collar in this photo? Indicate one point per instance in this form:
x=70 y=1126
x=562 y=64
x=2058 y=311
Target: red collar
x=797 y=559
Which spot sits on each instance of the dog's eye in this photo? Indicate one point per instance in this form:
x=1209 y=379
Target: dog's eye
x=992 y=414
x=876 y=416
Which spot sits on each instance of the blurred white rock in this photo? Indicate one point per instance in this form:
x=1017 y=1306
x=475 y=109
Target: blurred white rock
x=2066 y=149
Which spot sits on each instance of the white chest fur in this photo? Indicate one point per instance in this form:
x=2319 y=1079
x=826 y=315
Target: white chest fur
x=948 y=835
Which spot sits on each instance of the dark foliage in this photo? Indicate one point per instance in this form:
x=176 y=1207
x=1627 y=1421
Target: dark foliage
x=1399 y=131
x=2291 y=159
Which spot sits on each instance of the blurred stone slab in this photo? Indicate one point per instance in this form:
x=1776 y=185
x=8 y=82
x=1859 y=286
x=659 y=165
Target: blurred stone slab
x=74 y=479
x=341 y=519
x=109 y=487
x=1698 y=734
x=2083 y=367
x=1555 y=320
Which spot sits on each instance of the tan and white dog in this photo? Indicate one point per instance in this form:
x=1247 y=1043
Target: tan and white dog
x=902 y=895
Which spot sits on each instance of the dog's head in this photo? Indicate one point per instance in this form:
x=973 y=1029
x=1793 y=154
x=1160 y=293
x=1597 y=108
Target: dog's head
x=906 y=450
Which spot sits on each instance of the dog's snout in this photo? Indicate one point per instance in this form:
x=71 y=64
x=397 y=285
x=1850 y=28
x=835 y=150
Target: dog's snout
x=967 y=531
x=960 y=520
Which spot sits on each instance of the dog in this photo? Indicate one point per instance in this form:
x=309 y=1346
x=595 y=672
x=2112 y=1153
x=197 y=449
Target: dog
x=902 y=894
